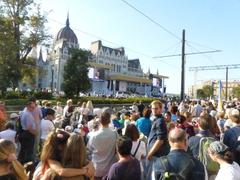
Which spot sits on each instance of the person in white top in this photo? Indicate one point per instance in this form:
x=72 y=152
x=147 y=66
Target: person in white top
x=9 y=133
x=58 y=109
x=229 y=170
x=69 y=103
x=47 y=125
x=138 y=147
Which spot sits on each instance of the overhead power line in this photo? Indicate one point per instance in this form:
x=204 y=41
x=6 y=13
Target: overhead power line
x=152 y=20
x=205 y=52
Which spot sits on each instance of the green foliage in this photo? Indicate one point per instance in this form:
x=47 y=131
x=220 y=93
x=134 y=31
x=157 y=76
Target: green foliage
x=21 y=29
x=95 y=100
x=76 y=73
x=236 y=91
x=26 y=95
x=205 y=92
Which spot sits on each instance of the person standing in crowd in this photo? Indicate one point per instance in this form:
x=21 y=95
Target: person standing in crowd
x=58 y=109
x=221 y=154
x=13 y=119
x=127 y=168
x=65 y=109
x=9 y=133
x=157 y=145
x=231 y=136
x=140 y=108
x=10 y=167
x=47 y=125
x=27 y=135
x=89 y=105
x=102 y=146
x=197 y=109
x=144 y=123
x=3 y=116
x=75 y=156
x=138 y=147
x=178 y=163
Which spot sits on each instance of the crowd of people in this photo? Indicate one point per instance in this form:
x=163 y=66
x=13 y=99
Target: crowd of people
x=189 y=140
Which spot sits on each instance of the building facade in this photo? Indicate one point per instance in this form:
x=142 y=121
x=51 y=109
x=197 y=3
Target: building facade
x=110 y=69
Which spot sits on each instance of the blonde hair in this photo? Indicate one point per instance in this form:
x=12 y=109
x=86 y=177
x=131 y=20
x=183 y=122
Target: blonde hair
x=158 y=103
x=89 y=105
x=8 y=157
x=75 y=156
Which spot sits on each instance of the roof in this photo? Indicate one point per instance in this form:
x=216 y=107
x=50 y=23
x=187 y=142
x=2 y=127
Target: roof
x=134 y=63
x=67 y=33
x=122 y=77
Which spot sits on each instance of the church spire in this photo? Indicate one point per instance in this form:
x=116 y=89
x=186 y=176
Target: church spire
x=40 y=58
x=67 y=22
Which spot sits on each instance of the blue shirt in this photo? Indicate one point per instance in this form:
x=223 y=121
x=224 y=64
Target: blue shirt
x=144 y=125
x=158 y=132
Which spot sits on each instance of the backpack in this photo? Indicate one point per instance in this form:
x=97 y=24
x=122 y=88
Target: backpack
x=211 y=166
x=168 y=174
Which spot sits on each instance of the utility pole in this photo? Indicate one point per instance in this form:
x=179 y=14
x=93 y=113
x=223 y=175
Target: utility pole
x=217 y=67
x=183 y=66
x=226 y=93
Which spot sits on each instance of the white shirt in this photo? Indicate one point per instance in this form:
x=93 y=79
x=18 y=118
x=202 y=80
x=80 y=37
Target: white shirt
x=102 y=145
x=8 y=134
x=46 y=127
x=141 y=150
x=229 y=172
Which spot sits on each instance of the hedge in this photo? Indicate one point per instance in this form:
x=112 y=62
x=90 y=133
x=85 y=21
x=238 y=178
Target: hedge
x=95 y=100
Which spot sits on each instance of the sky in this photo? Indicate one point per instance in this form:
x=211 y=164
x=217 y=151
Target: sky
x=209 y=25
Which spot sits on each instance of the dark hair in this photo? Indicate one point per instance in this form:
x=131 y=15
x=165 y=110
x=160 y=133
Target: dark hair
x=181 y=119
x=132 y=132
x=147 y=112
x=31 y=100
x=127 y=113
x=70 y=109
x=124 y=146
x=228 y=156
x=174 y=109
x=50 y=111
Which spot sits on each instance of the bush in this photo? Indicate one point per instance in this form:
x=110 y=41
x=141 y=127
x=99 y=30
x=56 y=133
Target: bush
x=42 y=95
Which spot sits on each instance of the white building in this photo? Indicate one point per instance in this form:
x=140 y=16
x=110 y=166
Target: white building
x=110 y=69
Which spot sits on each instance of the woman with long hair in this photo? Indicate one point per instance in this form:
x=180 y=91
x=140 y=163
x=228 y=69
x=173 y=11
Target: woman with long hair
x=75 y=156
x=10 y=167
x=52 y=156
x=221 y=154
x=89 y=105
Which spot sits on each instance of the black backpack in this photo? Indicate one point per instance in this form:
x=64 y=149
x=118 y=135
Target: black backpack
x=167 y=171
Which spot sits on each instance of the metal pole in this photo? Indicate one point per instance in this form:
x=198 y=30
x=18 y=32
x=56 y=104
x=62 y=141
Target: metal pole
x=183 y=66
x=226 y=93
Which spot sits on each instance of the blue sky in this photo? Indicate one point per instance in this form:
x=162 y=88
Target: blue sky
x=209 y=25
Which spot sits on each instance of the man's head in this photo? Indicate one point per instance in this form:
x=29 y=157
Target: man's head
x=105 y=117
x=177 y=139
x=31 y=104
x=50 y=114
x=235 y=116
x=156 y=108
x=124 y=146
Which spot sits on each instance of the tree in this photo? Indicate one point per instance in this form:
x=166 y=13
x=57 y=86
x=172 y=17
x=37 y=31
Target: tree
x=76 y=73
x=23 y=28
x=200 y=93
x=236 y=91
x=208 y=90
x=205 y=92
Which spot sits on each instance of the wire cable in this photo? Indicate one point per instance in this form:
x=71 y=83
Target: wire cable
x=152 y=20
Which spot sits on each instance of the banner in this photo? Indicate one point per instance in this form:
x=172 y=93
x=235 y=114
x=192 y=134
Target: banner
x=220 y=95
